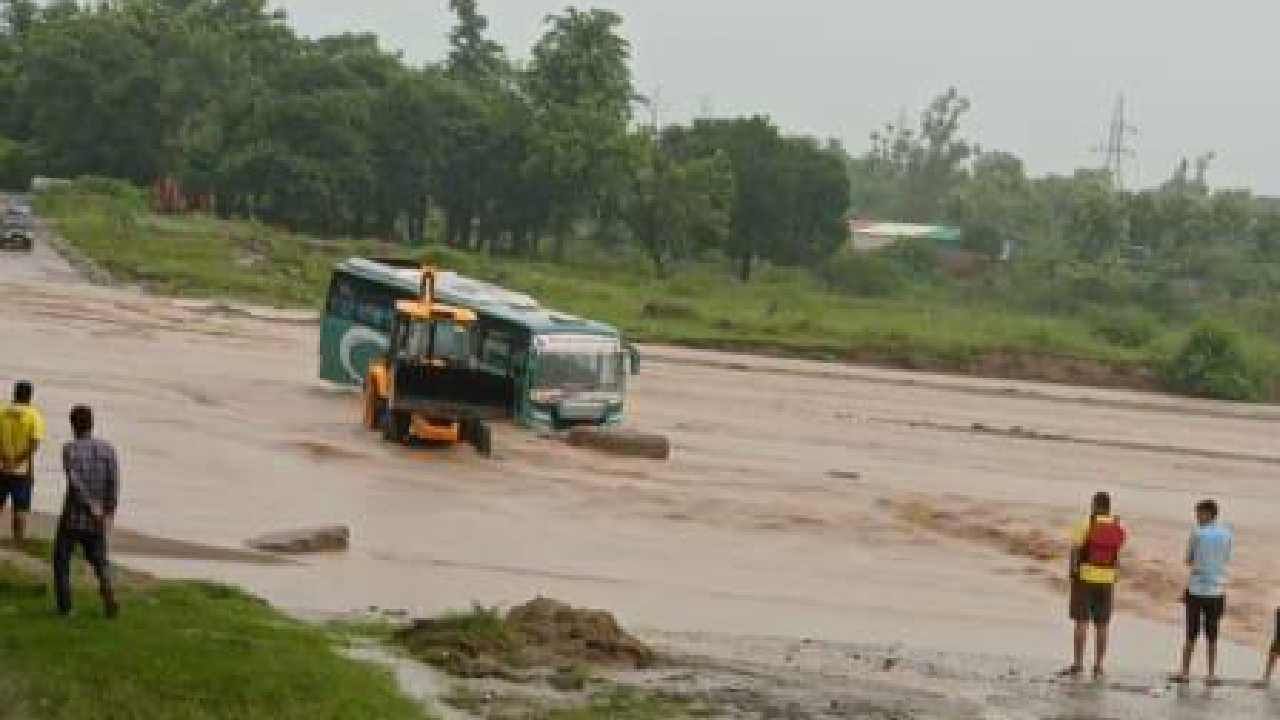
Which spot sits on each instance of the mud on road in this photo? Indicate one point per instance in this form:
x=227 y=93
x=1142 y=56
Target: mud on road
x=779 y=517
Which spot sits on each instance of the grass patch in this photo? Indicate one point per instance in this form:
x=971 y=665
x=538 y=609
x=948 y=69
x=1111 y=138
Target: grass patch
x=475 y=643
x=182 y=650
x=780 y=312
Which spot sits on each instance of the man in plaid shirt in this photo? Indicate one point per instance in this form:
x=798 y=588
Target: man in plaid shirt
x=93 y=487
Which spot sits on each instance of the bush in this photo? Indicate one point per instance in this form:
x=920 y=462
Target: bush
x=1127 y=327
x=917 y=258
x=17 y=163
x=1213 y=363
x=868 y=275
x=133 y=197
x=668 y=310
x=114 y=199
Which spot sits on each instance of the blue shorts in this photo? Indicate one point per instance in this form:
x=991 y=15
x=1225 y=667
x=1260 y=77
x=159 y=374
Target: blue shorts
x=19 y=488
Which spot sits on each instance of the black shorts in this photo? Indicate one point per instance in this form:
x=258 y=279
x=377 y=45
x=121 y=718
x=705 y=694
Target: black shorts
x=1091 y=602
x=19 y=488
x=1206 y=609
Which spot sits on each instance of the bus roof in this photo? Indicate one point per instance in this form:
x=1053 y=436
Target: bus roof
x=484 y=298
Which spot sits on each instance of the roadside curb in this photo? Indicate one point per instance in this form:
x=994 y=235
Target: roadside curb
x=81 y=263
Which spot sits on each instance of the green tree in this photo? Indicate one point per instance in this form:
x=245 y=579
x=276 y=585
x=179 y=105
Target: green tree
x=908 y=174
x=17 y=17
x=813 y=183
x=674 y=206
x=580 y=91
x=406 y=151
x=754 y=149
x=473 y=57
x=1096 y=221
x=995 y=208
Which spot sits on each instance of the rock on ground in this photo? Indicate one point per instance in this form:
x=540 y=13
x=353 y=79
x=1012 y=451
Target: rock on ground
x=307 y=540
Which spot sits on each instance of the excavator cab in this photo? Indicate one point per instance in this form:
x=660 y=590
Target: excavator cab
x=418 y=390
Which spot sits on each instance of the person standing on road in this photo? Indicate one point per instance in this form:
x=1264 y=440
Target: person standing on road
x=1208 y=553
x=21 y=432
x=88 y=512
x=1095 y=553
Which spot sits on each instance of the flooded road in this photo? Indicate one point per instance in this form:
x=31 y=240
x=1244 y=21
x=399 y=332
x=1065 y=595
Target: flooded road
x=919 y=513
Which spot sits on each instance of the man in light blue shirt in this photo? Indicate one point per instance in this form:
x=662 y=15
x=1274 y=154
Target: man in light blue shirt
x=1208 y=554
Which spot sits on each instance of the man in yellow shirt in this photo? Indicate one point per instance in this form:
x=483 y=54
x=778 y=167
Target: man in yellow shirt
x=1095 y=551
x=21 y=431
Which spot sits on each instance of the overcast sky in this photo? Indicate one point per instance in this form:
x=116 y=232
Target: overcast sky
x=1043 y=77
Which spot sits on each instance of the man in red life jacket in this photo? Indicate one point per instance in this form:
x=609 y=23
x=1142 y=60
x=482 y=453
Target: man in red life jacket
x=1095 y=552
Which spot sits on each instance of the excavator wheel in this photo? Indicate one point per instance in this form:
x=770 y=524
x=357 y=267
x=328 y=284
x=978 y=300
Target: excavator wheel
x=395 y=426
x=482 y=438
x=476 y=433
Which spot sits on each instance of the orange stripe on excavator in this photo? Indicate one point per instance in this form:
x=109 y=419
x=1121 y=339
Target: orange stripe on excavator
x=437 y=431
x=377 y=378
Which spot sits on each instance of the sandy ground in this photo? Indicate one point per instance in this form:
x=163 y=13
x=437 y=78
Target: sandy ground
x=915 y=516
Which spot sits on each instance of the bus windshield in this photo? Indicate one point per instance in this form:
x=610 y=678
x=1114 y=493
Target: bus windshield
x=582 y=364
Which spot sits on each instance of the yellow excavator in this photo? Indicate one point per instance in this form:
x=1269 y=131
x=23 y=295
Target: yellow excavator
x=419 y=389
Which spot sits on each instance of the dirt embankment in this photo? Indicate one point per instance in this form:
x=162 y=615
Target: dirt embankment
x=1001 y=364
x=542 y=633
x=545 y=659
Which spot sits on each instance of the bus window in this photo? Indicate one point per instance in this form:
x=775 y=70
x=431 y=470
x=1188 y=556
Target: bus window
x=342 y=297
x=451 y=342
x=373 y=308
x=496 y=350
x=441 y=340
x=414 y=340
x=364 y=302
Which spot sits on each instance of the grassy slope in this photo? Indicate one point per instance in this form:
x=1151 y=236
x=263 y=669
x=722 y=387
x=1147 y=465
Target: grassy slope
x=179 y=650
x=781 y=312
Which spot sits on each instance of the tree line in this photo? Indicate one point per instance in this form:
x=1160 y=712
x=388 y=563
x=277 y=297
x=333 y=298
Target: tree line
x=1179 y=249
x=545 y=157
x=337 y=136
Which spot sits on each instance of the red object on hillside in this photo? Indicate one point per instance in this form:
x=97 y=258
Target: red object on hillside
x=167 y=196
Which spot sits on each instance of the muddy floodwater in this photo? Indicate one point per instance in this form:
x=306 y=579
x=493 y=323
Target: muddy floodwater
x=810 y=513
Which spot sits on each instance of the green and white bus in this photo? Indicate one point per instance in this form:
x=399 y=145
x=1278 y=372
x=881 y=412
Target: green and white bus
x=541 y=367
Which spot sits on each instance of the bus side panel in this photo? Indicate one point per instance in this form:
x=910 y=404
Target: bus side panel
x=353 y=328
x=347 y=348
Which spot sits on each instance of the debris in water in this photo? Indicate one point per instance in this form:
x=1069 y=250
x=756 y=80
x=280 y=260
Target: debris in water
x=620 y=442
x=329 y=538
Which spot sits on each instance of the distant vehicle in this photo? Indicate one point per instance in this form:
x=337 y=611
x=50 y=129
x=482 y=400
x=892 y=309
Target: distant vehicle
x=541 y=367
x=16 y=230
x=40 y=183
